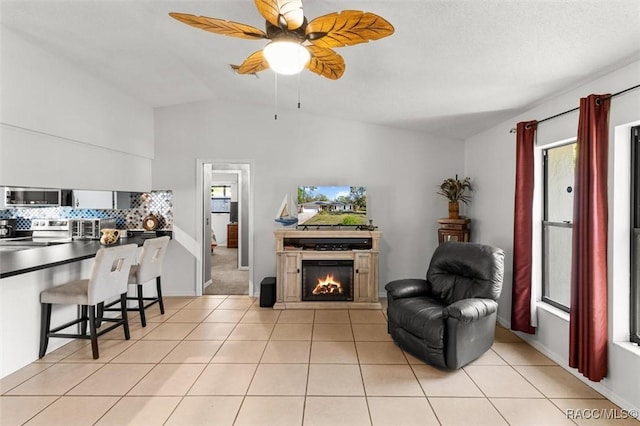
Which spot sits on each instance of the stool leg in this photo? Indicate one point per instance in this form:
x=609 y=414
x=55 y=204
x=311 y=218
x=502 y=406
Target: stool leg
x=143 y=318
x=92 y=332
x=100 y=314
x=159 y=290
x=45 y=324
x=83 y=316
x=125 y=318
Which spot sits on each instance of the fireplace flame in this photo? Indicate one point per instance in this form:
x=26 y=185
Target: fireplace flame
x=328 y=285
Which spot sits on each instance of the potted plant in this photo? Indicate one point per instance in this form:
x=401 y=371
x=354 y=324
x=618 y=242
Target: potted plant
x=455 y=190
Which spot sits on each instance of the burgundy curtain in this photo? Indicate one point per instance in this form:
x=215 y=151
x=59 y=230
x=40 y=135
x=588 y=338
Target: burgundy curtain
x=522 y=229
x=588 y=318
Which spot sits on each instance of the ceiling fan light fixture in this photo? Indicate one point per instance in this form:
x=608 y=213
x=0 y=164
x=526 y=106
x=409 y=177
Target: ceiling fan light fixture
x=286 y=57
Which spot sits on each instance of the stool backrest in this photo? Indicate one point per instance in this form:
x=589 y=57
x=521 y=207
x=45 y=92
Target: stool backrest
x=110 y=272
x=151 y=258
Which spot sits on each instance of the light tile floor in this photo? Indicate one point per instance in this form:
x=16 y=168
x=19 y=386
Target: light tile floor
x=223 y=360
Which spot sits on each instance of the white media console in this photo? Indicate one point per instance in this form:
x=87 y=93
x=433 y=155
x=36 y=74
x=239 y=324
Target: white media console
x=294 y=247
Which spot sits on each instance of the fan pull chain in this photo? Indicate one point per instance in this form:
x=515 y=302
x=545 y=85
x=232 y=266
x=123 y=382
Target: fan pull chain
x=299 y=90
x=275 y=117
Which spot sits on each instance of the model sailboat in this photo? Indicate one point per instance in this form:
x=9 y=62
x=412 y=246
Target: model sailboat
x=287 y=214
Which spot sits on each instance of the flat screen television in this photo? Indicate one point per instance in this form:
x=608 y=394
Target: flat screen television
x=332 y=206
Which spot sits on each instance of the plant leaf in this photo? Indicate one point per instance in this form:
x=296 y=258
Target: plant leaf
x=455 y=190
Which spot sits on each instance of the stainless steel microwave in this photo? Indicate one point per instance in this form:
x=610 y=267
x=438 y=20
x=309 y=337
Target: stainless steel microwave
x=89 y=229
x=30 y=197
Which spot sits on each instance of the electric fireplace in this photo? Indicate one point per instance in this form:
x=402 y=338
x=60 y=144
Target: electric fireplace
x=327 y=280
x=327 y=268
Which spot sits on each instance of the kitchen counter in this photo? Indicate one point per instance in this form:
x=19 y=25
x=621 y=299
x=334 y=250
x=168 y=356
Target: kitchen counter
x=37 y=258
x=24 y=275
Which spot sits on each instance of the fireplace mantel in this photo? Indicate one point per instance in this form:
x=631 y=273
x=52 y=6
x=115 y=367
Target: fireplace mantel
x=289 y=268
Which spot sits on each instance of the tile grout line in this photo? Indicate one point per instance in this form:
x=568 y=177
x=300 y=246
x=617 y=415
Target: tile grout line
x=60 y=362
x=485 y=394
x=211 y=359
x=159 y=362
x=512 y=366
x=182 y=398
x=144 y=376
x=306 y=391
x=66 y=393
x=424 y=392
x=536 y=388
x=65 y=360
x=364 y=388
x=244 y=397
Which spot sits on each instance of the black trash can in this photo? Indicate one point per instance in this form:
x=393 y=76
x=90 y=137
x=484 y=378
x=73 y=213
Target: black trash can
x=268 y=292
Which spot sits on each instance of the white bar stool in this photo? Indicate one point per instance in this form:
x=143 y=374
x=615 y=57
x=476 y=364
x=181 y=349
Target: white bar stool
x=148 y=267
x=108 y=279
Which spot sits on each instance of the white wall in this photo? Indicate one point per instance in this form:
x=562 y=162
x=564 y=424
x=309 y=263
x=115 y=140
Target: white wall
x=490 y=161
x=400 y=169
x=61 y=127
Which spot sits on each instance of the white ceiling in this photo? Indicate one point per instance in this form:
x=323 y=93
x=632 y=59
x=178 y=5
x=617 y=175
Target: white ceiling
x=452 y=68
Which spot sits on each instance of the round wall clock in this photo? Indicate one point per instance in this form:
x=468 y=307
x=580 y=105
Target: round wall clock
x=150 y=223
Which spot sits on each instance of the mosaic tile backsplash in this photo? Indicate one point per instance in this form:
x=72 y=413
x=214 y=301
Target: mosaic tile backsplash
x=142 y=204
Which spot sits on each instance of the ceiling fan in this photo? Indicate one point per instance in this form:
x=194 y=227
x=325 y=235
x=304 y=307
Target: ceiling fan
x=300 y=44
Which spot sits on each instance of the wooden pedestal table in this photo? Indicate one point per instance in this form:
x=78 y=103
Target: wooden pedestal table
x=454 y=230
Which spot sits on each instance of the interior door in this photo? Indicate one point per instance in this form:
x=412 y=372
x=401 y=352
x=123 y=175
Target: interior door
x=245 y=217
x=206 y=226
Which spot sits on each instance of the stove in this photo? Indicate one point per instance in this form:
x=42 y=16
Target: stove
x=50 y=226
x=45 y=232
x=52 y=231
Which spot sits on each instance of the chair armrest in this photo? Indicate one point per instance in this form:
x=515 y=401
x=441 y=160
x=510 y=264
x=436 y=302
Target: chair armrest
x=469 y=310
x=411 y=287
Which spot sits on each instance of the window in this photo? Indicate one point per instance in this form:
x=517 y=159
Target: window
x=635 y=235
x=221 y=199
x=559 y=174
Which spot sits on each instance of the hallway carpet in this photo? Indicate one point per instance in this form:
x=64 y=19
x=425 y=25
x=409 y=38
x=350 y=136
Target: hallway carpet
x=225 y=276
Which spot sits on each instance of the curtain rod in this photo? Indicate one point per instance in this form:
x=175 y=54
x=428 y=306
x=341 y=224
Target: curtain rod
x=513 y=130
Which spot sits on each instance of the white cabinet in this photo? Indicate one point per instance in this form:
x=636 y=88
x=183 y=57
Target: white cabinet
x=291 y=270
x=92 y=199
x=362 y=263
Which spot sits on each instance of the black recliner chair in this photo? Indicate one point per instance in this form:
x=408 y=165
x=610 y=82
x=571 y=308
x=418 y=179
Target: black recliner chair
x=449 y=319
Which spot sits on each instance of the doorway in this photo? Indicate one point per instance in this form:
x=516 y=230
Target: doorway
x=228 y=276
x=225 y=228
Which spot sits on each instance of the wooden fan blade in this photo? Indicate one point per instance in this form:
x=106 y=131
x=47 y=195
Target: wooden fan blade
x=282 y=13
x=347 y=28
x=220 y=26
x=256 y=62
x=325 y=62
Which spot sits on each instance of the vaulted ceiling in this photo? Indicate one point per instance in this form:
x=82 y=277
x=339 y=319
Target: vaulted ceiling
x=452 y=68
